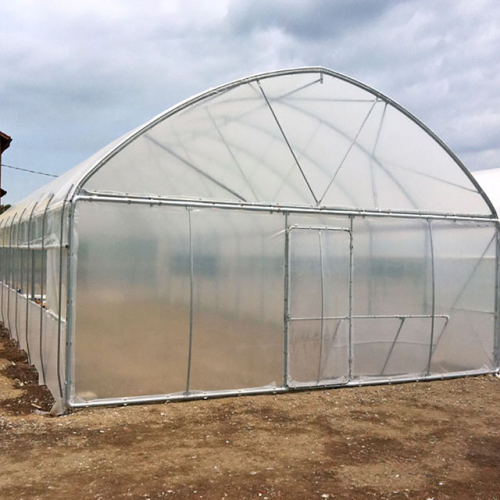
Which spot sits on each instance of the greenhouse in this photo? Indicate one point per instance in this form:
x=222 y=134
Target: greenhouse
x=294 y=229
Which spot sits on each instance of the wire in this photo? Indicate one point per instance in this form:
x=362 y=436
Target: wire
x=30 y=171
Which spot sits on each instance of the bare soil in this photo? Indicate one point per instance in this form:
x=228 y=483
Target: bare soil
x=436 y=440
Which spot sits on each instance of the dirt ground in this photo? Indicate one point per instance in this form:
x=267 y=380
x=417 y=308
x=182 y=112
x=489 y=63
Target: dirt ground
x=436 y=440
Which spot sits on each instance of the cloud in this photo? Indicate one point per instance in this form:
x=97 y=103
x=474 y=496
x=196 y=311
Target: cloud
x=76 y=75
x=305 y=20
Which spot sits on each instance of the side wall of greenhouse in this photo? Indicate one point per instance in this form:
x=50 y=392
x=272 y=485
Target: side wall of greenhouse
x=33 y=268
x=183 y=301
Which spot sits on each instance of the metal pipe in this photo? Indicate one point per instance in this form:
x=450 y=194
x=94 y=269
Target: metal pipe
x=68 y=387
x=20 y=254
x=372 y=156
x=191 y=294
x=286 y=310
x=42 y=280
x=393 y=345
x=230 y=151
x=351 y=298
x=59 y=313
x=334 y=336
x=28 y=282
x=110 y=198
x=496 y=333
x=194 y=167
x=322 y=295
x=267 y=390
x=2 y=256
x=353 y=141
x=440 y=333
x=433 y=299
x=287 y=142
x=320 y=228
x=373 y=316
x=10 y=266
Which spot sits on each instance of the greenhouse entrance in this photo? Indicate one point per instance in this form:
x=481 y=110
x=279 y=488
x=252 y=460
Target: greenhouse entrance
x=319 y=305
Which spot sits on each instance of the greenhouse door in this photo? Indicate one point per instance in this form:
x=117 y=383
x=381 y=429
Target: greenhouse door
x=319 y=306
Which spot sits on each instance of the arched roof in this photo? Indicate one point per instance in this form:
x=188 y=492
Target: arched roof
x=306 y=137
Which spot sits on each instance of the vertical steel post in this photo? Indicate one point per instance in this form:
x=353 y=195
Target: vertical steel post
x=10 y=274
x=29 y=282
x=20 y=253
x=191 y=283
x=59 y=312
x=496 y=333
x=2 y=264
x=286 y=309
x=433 y=298
x=42 y=280
x=2 y=230
x=70 y=273
x=322 y=321
x=351 y=276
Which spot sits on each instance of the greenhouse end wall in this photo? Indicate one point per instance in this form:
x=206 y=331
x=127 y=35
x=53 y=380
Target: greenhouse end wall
x=182 y=301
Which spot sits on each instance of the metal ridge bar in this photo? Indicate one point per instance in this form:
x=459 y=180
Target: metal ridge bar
x=280 y=208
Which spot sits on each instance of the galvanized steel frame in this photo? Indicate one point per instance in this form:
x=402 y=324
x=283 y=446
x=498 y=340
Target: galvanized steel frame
x=77 y=193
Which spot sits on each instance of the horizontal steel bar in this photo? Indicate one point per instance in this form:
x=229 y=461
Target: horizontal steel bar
x=25 y=246
x=374 y=316
x=276 y=390
x=109 y=198
x=175 y=397
x=320 y=228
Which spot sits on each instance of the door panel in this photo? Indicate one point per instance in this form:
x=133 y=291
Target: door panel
x=319 y=305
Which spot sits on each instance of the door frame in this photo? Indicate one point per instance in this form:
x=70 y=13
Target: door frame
x=287 y=312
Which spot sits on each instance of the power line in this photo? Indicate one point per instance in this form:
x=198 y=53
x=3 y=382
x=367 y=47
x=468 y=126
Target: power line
x=30 y=171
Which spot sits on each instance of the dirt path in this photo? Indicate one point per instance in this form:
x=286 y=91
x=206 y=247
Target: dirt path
x=436 y=440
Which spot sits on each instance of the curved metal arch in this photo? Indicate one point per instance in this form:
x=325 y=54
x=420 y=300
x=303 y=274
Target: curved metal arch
x=273 y=74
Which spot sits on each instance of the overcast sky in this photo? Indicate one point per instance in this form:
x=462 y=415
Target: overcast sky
x=74 y=75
